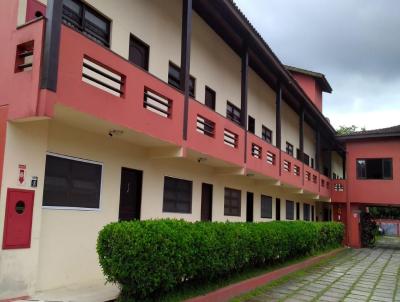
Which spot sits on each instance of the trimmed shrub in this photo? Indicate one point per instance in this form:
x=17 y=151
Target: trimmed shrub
x=149 y=258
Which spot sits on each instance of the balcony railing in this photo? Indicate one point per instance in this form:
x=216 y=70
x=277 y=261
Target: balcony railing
x=338 y=189
x=212 y=134
x=311 y=180
x=262 y=157
x=291 y=170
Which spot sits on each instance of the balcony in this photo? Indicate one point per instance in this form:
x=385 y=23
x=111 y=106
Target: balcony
x=311 y=180
x=291 y=170
x=213 y=135
x=262 y=157
x=97 y=83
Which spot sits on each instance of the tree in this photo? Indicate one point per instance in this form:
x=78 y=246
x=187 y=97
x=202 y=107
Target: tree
x=346 y=130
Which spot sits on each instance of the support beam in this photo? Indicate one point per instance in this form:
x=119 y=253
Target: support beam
x=317 y=149
x=244 y=93
x=301 y=133
x=51 y=46
x=278 y=117
x=165 y=152
x=185 y=59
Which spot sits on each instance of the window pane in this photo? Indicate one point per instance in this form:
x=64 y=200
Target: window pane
x=71 y=183
x=266 y=206
x=139 y=53
x=177 y=195
x=387 y=168
x=232 y=202
x=210 y=98
x=289 y=210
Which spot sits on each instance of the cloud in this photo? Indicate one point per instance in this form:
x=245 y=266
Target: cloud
x=354 y=43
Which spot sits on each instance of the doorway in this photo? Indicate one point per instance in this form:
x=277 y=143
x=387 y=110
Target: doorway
x=278 y=209
x=206 y=202
x=130 y=198
x=250 y=207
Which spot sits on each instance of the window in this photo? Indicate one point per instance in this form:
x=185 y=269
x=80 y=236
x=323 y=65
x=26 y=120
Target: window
x=266 y=206
x=232 y=203
x=306 y=212
x=289 y=210
x=266 y=134
x=233 y=113
x=71 y=183
x=306 y=157
x=210 y=98
x=83 y=18
x=177 y=195
x=139 y=52
x=174 y=79
x=374 y=168
x=251 y=125
x=289 y=148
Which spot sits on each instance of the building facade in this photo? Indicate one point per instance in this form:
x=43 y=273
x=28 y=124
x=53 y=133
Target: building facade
x=142 y=110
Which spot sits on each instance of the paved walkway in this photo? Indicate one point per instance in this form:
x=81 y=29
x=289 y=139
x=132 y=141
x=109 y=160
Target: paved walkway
x=355 y=275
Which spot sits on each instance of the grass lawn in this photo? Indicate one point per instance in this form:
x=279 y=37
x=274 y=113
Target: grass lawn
x=193 y=290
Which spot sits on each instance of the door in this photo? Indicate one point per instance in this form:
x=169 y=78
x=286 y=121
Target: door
x=297 y=211
x=249 y=207
x=130 y=198
x=206 y=202
x=18 y=219
x=278 y=209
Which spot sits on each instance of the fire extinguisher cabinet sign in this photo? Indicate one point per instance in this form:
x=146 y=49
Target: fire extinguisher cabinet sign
x=21 y=175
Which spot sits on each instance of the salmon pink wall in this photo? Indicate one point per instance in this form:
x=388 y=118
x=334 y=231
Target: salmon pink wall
x=20 y=90
x=310 y=87
x=384 y=192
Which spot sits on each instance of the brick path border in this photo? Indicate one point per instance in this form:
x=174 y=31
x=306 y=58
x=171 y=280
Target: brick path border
x=231 y=291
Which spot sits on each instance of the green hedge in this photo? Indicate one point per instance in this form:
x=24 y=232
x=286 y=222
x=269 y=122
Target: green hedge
x=149 y=258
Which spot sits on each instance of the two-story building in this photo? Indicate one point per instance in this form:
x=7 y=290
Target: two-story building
x=147 y=109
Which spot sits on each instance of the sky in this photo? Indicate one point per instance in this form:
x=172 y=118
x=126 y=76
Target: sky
x=355 y=43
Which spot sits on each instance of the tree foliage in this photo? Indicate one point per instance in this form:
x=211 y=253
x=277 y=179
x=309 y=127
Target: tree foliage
x=346 y=130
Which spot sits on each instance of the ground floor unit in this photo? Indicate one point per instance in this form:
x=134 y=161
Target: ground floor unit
x=62 y=183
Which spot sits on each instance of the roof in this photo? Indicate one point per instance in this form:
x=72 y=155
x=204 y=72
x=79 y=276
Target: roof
x=376 y=133
x=320 y=77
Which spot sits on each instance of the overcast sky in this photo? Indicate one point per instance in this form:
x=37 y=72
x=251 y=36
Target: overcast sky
x=355 y=43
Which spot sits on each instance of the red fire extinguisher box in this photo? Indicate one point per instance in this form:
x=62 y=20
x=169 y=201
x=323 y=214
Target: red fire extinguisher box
x=18 y=219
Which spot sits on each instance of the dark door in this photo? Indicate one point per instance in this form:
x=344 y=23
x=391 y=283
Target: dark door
x=249 y=207
x=312 y=213
x=130 y=197
x=297 y=211
x=278 y=209
x=206 y=202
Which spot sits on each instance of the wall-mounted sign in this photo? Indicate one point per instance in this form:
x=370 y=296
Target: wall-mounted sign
x=34 y=182
x=21 y=174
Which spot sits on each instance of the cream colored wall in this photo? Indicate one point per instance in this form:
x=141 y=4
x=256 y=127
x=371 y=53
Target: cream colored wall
x=26 y=144
x=67 y=245
x=261 y=104
x=337 y=164
x=290 y=127
x=309 y=142
x=213 y=63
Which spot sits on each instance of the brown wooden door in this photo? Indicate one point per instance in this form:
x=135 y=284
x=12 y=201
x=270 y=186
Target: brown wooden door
x=278 y=209
x=206 y=202
x=130 y=194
